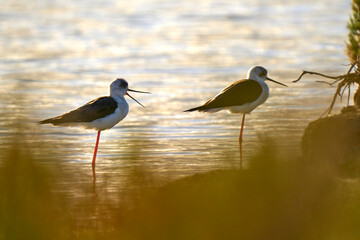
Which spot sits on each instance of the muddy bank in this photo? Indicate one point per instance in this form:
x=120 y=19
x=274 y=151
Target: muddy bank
x=334 y=140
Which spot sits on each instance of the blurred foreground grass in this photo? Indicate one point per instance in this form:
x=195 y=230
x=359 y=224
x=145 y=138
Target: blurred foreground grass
x=272 y=199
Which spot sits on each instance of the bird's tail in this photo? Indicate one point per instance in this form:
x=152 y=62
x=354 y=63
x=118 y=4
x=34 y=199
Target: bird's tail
x=53 y=121
x=194 y=109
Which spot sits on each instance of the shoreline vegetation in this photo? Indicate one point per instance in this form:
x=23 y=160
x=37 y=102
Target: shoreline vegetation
x=272 y=198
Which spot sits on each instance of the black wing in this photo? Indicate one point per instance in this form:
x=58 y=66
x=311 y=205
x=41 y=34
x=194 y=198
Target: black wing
x=239 y=93
x=95 y=109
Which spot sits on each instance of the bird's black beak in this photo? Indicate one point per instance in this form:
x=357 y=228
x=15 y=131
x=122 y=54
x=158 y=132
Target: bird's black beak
x=134 y=98
x=136 y=91
x=267 y=78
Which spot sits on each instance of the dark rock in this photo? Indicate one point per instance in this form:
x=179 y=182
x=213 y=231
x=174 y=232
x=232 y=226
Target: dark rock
x=334 y=140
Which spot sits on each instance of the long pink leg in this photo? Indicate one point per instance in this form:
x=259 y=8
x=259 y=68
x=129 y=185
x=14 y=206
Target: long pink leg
x=94 y=157
x=240 y=138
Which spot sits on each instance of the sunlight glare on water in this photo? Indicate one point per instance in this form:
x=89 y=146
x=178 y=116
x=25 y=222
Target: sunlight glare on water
x=58 y=55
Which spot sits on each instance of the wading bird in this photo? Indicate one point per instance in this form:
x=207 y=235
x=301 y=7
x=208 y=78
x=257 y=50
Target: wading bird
x=99 y=114
x=242 y=96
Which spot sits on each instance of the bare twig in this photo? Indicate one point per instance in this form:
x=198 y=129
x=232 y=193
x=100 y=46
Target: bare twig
x=343 y=90
x=319 y=74
x=344 y=82
x=330 y=84
x=351 y=68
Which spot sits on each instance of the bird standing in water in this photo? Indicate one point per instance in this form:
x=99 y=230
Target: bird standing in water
x=242 y=96
x=99 y=114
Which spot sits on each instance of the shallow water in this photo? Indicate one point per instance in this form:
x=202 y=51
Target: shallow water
x=58 y=55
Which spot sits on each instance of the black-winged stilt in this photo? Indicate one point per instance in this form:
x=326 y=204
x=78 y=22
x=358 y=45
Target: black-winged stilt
x=242 y=96
x=99 y=114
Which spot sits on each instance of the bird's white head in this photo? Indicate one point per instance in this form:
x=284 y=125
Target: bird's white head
x=119 y=88
x=259 y=73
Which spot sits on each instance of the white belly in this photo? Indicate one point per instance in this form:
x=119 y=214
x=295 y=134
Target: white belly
x=106 y=122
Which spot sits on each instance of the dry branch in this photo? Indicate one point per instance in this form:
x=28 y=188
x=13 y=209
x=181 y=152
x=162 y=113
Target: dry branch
x=344 y=82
